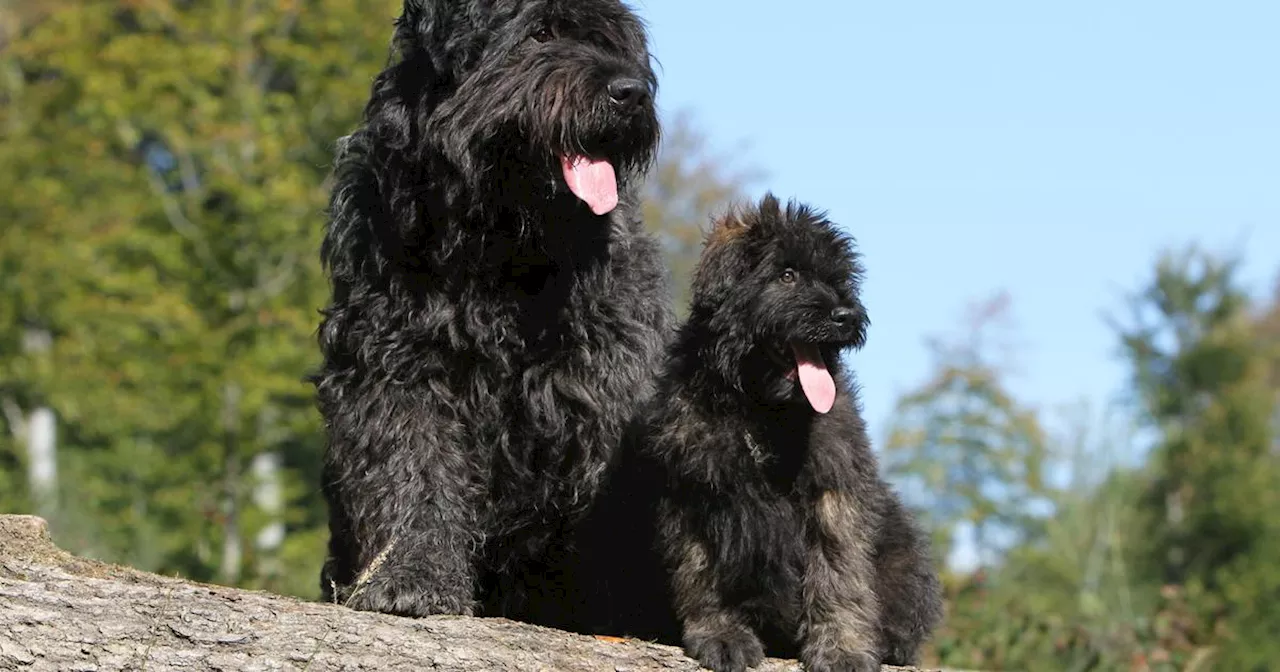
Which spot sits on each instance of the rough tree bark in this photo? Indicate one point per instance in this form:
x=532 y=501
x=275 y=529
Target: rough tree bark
x=60 y=612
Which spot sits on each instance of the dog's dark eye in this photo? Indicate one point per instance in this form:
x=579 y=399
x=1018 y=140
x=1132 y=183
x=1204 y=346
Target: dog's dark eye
x=788 y=276
x=544 y=34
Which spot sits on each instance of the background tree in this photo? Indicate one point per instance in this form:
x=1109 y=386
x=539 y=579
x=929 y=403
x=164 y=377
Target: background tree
x=1269 y=334
x=22 y=343
x=1202 y=375
x=1163 y=563
x=164 y=165
x=1063 y=598
x=967 y=452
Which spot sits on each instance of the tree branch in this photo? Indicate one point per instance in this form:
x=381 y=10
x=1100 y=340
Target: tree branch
x=14 y=416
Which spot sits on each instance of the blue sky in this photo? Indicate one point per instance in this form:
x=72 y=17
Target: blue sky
x=1047 y=149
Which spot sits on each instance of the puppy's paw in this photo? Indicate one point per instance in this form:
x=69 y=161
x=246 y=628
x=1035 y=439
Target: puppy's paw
x=835 y=660
x=731 y=649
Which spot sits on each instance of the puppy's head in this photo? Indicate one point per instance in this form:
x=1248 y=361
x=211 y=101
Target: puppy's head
x=777 y=293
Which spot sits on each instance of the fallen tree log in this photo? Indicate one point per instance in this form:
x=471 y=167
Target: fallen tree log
x=60 y=612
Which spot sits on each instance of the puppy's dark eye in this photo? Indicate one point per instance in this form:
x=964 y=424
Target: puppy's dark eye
x=788 y=276
x=544 y=34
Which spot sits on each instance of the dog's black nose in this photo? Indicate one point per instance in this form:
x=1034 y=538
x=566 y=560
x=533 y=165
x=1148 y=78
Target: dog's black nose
x=843 y=316
x=628 y=92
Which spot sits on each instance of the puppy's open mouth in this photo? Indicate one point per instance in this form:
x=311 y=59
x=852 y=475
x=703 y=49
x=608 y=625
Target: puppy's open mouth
x=810 y=368
x=594 y=181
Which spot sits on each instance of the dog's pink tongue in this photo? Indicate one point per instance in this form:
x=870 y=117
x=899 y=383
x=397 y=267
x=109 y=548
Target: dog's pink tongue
x=592 y=181
x=818 y=385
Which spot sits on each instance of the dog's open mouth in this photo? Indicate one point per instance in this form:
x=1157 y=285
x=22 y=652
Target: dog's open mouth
x=811 y=369
x=592 y=180
x=816 y=381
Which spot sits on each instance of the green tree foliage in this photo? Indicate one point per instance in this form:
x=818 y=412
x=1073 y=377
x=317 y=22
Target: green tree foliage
x=1169 y=563
x=1062 y=599
x=1269 y=335
x=13 y=388
x=1203 y=379
x=12 y=395
x=966 y=448
x=164 y=166
x=1051 y=590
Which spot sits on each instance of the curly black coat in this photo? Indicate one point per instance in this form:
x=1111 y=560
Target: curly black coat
x=747 y=498
x=494 y=315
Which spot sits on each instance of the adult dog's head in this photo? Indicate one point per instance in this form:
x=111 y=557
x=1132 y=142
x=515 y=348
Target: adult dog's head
x=524 y=100
x=776 y=298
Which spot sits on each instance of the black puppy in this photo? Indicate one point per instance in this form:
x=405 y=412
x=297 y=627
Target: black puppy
x=748 y=496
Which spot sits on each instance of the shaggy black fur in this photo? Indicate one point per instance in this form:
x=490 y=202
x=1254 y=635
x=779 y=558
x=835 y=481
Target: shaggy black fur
x=763 y=521
x=488 y=333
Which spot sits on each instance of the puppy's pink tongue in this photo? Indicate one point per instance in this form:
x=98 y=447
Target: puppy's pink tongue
x=592 y=181
x=819 y=387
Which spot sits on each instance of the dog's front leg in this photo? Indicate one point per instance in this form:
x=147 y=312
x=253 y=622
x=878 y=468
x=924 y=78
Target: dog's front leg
x=715 y=633
x=403 y=494
x=840 y=625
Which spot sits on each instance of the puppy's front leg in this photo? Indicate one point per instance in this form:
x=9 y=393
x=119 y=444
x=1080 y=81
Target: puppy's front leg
x=715 y=634
x=841 y=613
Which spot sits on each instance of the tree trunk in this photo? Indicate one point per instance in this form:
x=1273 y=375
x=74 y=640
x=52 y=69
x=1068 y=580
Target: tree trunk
x=42 y=461
x=232 y=552
x=60 y=612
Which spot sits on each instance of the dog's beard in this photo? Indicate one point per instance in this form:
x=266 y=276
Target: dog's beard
x=540 y=117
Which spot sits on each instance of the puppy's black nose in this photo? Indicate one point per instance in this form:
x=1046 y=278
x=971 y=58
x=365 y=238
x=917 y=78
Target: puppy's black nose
x=843 y=316
x=628 y=92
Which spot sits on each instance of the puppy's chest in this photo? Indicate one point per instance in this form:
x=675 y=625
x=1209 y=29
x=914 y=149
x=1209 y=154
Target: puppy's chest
x=761 y=508
x=764 y=516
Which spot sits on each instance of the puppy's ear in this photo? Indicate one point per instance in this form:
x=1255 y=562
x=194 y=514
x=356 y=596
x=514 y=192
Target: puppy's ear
x=729 y=227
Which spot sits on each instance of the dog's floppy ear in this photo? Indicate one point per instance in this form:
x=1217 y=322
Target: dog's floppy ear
x=436 y=29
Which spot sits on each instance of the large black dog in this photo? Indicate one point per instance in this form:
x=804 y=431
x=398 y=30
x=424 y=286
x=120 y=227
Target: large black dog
x=748 y=491
x=496 y=307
